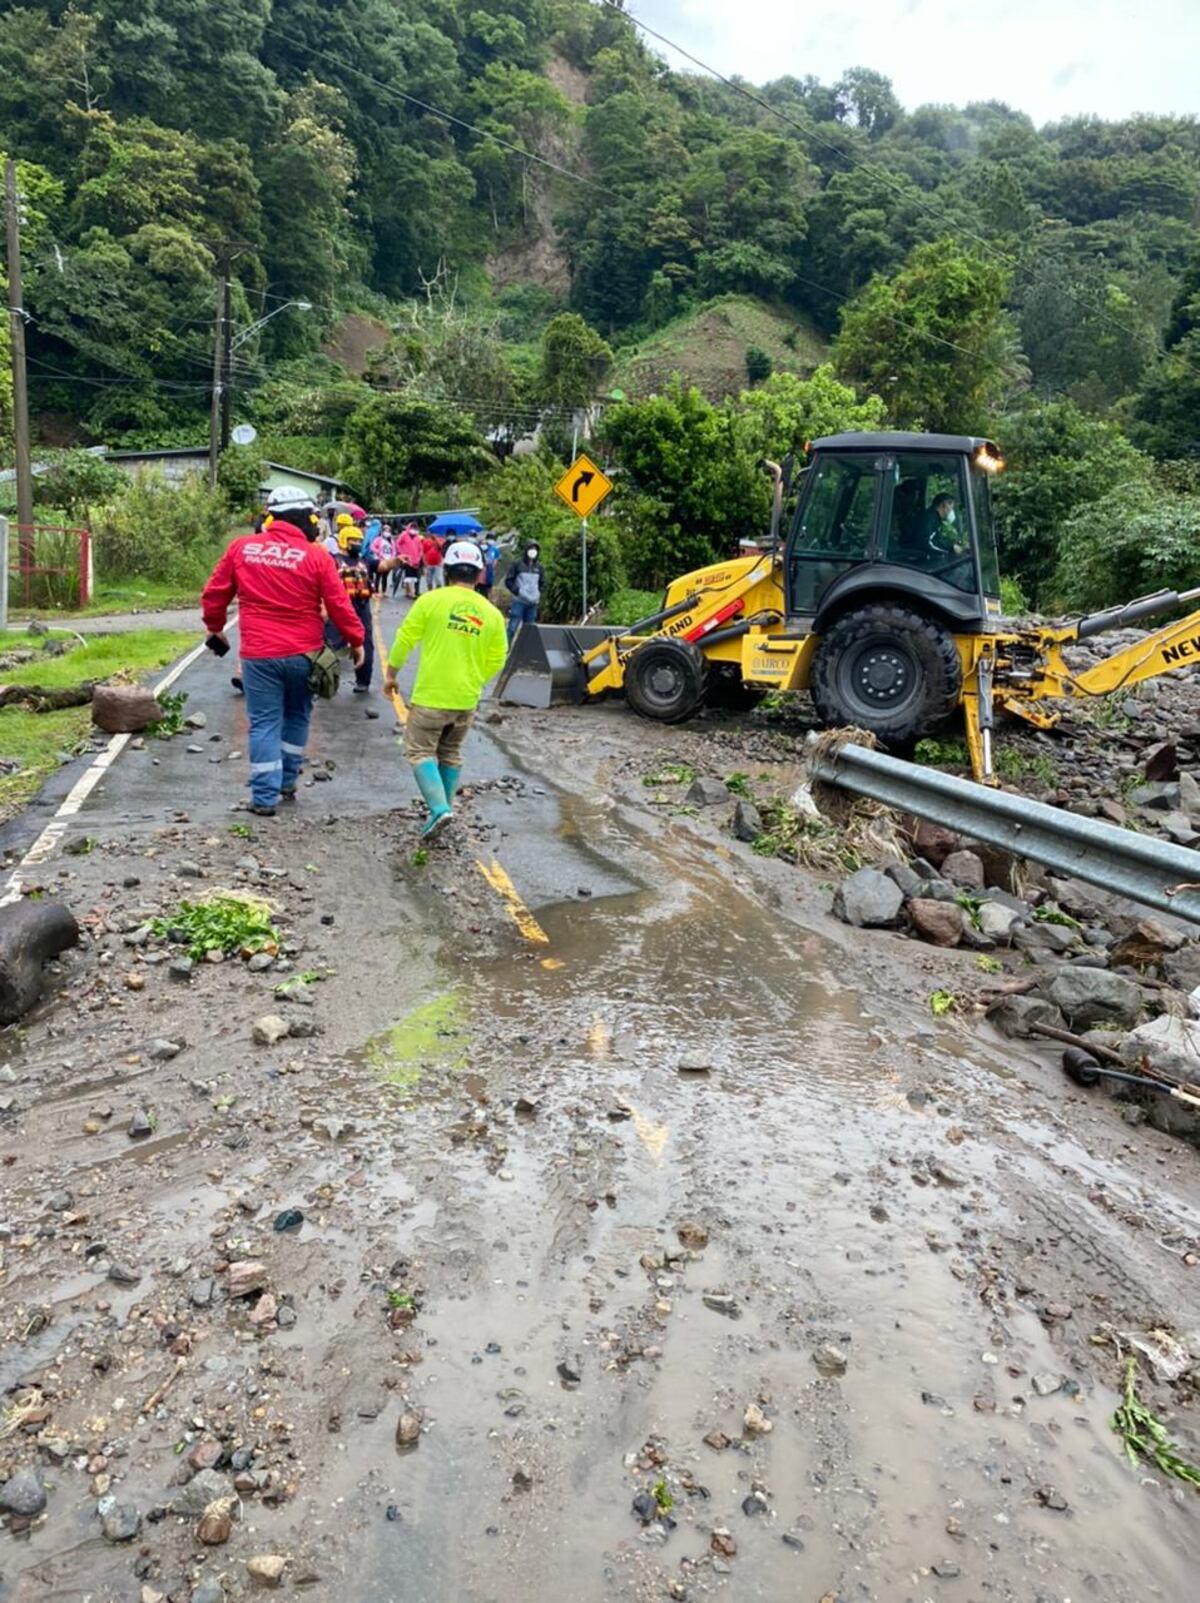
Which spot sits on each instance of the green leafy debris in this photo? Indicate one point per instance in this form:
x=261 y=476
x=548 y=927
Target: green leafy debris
x=739 y=784
x=172 y=703
x=670 y=774
x=941 y=1003
x=1145 y=1436
x=989 y=965
x=1055 y=915
x=222 y=923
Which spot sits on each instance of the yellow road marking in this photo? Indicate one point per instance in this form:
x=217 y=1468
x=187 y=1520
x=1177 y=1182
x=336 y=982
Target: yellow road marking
x=507 y=892
x=551 y=963
x=396 y=699
x=654 y=1136
x=599 y=1039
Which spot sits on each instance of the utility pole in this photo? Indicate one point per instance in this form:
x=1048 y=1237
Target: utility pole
x=215 y=416
x=20 y=392
x=227 y=365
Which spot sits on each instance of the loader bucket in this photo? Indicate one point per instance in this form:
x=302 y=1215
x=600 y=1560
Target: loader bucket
x=544 y=667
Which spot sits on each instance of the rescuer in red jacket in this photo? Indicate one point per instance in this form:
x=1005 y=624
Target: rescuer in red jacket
x=281 y=579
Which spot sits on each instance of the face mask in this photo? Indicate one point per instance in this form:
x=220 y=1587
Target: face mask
x=531 y=554
x=951 y=516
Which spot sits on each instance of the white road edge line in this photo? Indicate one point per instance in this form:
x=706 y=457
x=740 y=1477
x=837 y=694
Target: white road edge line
x=48 y=841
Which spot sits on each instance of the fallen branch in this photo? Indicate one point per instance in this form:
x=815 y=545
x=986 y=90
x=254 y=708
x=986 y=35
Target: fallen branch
x=39 y=698
x=1104 y=1053
x=156 y=1397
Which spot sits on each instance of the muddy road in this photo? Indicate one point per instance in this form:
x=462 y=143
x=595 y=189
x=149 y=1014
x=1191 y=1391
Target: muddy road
x=668 y=1189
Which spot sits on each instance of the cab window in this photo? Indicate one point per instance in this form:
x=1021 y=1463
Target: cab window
x=927 y=524
x=836 y=528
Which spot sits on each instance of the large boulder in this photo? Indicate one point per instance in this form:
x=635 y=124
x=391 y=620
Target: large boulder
x=930 y=841
x=1168 y=1044
x=30 y=934
x=1147 y=942
x=869 y=900
x=1043 y=937
x=939 y=923
x=1088 y=996
x=124 y=709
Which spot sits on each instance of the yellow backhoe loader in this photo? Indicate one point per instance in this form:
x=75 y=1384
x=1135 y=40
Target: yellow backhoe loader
x=883 y=603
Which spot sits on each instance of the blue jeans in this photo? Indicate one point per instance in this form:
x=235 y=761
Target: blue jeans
x=520 y=612
x=279 y=705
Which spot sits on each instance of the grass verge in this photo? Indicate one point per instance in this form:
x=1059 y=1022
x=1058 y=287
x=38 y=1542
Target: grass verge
x=38 y=741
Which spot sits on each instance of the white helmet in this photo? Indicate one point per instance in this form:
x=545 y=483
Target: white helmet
x=288 y=498
x=464 y=554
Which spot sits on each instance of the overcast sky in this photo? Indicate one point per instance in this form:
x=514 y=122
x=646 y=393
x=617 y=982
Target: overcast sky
x=1050 y=58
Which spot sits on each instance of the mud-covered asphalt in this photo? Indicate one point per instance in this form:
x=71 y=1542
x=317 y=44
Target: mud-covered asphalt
x=699 y=1164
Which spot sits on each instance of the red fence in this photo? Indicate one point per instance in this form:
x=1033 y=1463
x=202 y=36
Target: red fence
x=49 y=566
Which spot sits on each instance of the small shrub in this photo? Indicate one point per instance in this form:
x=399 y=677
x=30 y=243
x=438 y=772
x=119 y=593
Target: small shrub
x=564 y=575
x=626 y=606
x=759 y=365
x=155 y=532
x=1013 y=600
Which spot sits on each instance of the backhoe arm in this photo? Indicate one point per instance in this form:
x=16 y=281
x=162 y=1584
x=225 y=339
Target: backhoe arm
x=1175 y=645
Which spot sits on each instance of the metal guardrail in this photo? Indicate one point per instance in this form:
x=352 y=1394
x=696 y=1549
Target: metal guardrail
x=1141 y=867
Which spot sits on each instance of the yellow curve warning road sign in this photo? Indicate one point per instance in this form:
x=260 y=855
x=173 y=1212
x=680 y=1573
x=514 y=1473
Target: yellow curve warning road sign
x=583 y=486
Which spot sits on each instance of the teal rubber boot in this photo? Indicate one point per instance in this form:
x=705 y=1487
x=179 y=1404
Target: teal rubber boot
x=449 y=780
x=429 y=783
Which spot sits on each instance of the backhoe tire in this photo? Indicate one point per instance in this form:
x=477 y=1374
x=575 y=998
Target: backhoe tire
x=666 y=680
x=886 y=669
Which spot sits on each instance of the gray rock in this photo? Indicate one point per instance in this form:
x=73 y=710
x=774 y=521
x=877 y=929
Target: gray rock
x=162 y=1050
x=181 y=968
x=260 y=963
x=208 y=1592
x=59 y=1201
x=196 y=720
x=1182 y=968
x=189 y=870
x=1179 y=827
x=868 y=900
x=1013 y=1015
x=119 y=1522
x=747 y=821
x=23 y=1494
x=996 y=920
x=270 y=1030
x=1171 y=1045
x=200 y=1292
x=908 y=880
x=1088 y=996
x=965 y=869
x=123 y=1274
x=993 y=893
x=140 y=1125
x=704 y=792
x=1189 y=794
x=938 y=889
x=1160 y=795
x=830 y=1360
x=1039 y=937
x=205 y=1487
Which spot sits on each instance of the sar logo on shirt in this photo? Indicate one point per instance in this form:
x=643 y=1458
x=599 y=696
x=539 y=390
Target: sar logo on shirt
x=465 y=621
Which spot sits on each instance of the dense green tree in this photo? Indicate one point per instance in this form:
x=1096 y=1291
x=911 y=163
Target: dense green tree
x=687 y=492
x=1057 y=460
x=574 y=363
x=934 y=340
x=1133 y=541
x=777 y=418
x=396 y=446
x=1166 y=419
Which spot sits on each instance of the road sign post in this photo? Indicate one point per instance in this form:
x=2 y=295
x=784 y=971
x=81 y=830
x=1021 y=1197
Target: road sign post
x=582 y=487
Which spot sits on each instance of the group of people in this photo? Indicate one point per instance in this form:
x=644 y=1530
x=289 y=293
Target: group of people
x=304 y=586
x=407 y=559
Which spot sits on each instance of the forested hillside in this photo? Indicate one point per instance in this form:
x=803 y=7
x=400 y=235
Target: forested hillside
x=466 y=171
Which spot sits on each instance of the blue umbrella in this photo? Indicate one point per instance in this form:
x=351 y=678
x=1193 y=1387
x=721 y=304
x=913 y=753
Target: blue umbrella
x=455 y=524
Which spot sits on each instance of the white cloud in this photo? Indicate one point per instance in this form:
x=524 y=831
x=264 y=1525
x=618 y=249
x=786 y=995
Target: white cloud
x=1050 y=58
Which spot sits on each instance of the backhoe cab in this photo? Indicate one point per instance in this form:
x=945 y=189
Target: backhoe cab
x=883 y=602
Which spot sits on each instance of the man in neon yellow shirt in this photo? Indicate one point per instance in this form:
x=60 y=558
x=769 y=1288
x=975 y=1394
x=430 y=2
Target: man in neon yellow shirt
x=462 y=641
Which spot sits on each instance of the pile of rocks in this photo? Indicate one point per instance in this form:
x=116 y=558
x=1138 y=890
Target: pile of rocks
x=1087 y=965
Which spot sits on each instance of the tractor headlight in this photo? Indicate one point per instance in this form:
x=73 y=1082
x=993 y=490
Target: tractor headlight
x=988 y=457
